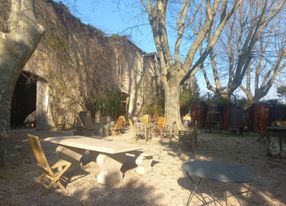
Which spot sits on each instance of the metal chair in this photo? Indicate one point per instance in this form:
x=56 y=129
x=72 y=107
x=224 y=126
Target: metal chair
x=168 y=131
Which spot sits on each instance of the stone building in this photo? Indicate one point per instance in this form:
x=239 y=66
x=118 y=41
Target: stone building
x=71 y=62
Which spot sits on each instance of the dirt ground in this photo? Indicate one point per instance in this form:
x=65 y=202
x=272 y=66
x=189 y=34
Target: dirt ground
x=165 y=185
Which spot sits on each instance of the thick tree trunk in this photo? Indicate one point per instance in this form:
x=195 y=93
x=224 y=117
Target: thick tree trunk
x=16 y=47
x=225 y=95
x=172 y=104
x=6 y=91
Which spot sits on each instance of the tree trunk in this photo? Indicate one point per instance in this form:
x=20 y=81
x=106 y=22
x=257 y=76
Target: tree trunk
x=225 y=95
x=7 y=84
x=16 y=47
x=172 y=104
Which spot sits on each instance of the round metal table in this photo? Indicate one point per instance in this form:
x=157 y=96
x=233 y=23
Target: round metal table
x=216 y=170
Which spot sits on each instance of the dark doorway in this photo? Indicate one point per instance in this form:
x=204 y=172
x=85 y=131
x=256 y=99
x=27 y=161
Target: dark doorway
x=24 y=99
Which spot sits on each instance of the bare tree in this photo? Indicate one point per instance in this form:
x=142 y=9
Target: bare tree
x=18 y=40
x=267 y=64
x=242 y=46
x=178 y=66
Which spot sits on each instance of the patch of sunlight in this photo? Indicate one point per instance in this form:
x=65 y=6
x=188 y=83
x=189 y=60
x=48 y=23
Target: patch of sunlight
x=201 y=157
x=270 y=199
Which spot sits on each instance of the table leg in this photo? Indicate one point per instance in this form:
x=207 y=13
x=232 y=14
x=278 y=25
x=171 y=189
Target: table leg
x=196 y=192
x=146 y=133
x=110 y=166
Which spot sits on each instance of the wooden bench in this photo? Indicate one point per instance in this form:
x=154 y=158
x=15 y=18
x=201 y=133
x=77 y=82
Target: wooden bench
x=109 y=155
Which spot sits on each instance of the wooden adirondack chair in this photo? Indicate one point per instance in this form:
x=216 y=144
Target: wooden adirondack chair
x=116 y=129
x=52 y=173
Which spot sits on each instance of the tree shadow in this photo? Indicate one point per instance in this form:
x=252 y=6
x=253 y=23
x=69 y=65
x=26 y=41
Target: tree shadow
x=244 y=150
x=84 y=191
x=268 y=189
x=82 y=186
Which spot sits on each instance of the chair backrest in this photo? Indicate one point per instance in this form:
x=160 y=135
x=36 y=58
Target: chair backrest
x=122 y=117
x=140 y=128
x=131 y=124
x=145 y=119
x=161 y=123
x=39 y=154
x=86 y=120
x=119 y=122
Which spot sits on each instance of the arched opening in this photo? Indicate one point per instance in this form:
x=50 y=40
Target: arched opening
x=24 y=100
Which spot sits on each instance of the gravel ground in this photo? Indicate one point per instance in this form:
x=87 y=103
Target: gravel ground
x=165 y=185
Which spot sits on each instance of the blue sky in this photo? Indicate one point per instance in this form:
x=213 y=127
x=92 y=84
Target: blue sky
x=113 y=18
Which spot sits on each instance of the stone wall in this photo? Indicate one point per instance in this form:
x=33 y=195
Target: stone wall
x=75 y=61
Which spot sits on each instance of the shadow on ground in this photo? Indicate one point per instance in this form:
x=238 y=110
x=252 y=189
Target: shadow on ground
x=269 y=187
x=16 y=183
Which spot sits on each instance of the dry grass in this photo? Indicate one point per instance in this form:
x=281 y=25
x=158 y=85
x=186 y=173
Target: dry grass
x=166 y=185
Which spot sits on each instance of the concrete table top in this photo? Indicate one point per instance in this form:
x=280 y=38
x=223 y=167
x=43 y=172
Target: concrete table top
x=92 y=144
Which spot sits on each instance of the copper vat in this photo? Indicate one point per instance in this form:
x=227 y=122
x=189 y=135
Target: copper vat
x=236 y=118
x=261 y=114
x=225 y=117
x=198 y=114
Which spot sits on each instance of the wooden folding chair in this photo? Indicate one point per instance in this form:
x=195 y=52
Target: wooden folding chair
x=54 y=173
x=141 y=130
x=161 y=123
x=116 y=129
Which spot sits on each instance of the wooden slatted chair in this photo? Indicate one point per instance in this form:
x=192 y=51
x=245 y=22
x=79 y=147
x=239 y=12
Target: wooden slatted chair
x=52 y=173
x=144 y=119
x=141 y=130
x=131 y=124
x=119 y=125
x=161 y=123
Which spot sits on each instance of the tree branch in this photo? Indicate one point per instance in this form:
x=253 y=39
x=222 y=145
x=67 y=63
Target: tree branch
x=207 y=28
x=14 y=15
x=181 y=28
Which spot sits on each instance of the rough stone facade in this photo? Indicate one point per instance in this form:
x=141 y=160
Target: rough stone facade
x=74 y=59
